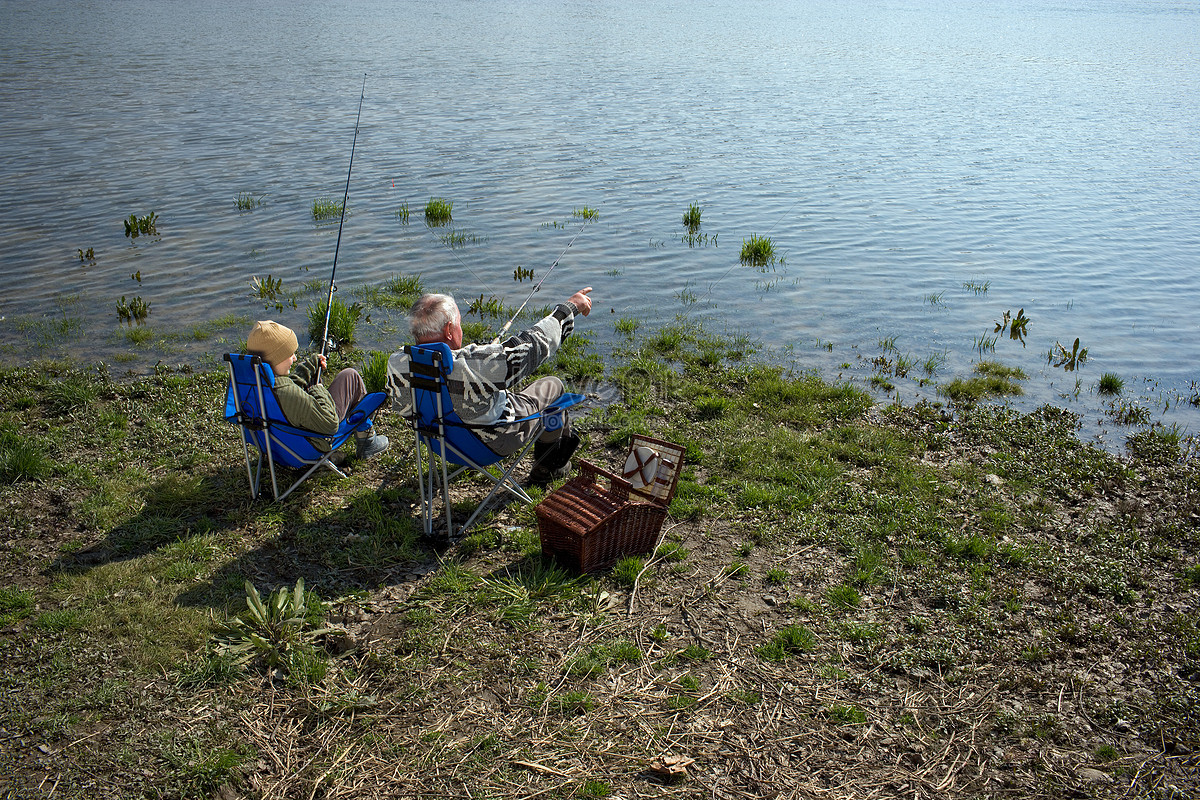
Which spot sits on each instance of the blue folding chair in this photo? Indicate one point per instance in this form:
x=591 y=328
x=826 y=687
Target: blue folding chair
x=250 y=403
x=452 y=441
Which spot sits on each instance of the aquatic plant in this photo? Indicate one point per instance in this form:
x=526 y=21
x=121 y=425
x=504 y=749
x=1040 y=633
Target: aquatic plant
x=976 y=287
x=1128 y=412
x=402 y=213
x=87 y=256
x=139 y=336
x=455 y=238
x=374 y=371
x=933 y=363
x=758 y=251
x=1110 y=384
x=248 y=202
x=267 y=288
x=691 y=218
x=134 y=310
x=698 y=239
x=934 y=298
x=137 y=226
x=1016 y=326
x=904 y=363
x=343 y=319
x=325 y=209
x=521 y=274
x=992 y=379
x=984 y=344
x=1069 y=360
x=491 y=306
x=399 y=291
x=586 y=213
x=136 y=276
x=438 y=211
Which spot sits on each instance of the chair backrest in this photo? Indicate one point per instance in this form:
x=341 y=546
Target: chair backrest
x=430 y=366
x=251 y=403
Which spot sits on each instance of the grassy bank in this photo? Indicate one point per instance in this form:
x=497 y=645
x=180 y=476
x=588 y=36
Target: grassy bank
x=848 y=600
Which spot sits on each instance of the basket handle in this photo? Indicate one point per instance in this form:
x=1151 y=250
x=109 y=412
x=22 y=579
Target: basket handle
x=616 y=485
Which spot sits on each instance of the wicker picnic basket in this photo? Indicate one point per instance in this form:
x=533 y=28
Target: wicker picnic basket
x=586 y=525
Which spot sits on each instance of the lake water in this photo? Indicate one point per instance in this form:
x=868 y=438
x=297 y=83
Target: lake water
x=922 y=166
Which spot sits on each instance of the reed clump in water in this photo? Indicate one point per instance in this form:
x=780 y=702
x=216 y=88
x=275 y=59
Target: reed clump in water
x=758 y=251
x=325 y=209
x=343 y=322
x=691 y=218
x=438 y=211
x=248 y=202
x=1111 y=384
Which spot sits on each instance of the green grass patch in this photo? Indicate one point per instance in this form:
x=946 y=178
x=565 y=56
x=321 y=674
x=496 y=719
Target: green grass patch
x=787 y=642
x=343 y=323
x=992 y=379
x=438 y=211
x=325 y=209
x=758 y=251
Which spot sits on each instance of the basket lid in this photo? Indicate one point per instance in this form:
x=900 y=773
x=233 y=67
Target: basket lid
x=652 y=468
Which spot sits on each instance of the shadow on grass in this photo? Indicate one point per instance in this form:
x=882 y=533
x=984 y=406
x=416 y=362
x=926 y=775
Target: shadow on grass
x=174 y=508
x=367 y=540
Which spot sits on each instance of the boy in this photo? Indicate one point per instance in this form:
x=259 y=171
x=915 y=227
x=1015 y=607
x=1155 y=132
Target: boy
x=305 y=402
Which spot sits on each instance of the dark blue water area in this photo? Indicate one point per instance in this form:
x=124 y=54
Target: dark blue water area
x=921 y=167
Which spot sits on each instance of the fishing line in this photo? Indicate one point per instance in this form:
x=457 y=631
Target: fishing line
x=338 y=246
x=768 y=233
x=488 y=285
x=458 y=258
x=538 y=287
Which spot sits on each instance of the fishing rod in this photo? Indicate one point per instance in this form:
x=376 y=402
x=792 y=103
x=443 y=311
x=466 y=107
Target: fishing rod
x=536 y=288
x=338 y=246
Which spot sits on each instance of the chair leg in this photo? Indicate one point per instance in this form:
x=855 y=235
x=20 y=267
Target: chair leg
x=251 y=478
x=504 y=482
x=324 y=462
x=426 y=476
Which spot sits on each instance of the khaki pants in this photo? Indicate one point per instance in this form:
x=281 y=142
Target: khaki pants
x=530 y=400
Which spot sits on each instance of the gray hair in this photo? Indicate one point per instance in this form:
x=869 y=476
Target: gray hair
x=430 y=314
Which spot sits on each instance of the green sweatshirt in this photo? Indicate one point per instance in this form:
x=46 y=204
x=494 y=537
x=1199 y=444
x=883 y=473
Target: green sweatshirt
x=306 y=403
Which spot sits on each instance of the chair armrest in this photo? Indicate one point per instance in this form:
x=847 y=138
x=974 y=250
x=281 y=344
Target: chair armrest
x=364 y=410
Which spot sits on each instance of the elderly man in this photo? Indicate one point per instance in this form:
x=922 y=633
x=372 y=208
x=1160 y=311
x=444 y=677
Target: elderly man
x=482 y=383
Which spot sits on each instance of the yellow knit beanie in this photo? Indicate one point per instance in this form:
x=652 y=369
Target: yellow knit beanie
x=272 y=341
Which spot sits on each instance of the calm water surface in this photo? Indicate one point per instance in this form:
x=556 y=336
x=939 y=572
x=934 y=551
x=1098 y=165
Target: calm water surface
x=896 y=153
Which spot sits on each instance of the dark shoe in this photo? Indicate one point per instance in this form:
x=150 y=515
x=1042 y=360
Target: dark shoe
x=541 y=475
x=561 y=452
x=372 y=445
